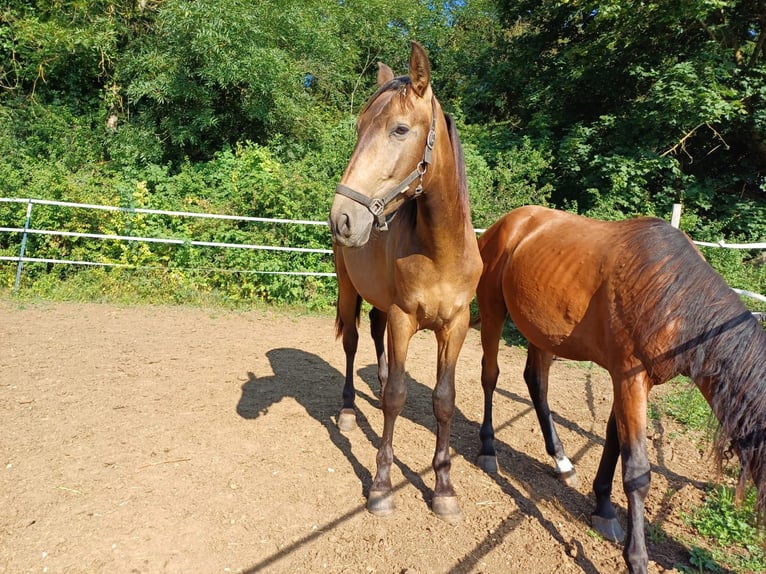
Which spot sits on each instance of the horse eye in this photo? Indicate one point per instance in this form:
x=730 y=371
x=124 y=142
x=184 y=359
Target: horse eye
x=401 y=130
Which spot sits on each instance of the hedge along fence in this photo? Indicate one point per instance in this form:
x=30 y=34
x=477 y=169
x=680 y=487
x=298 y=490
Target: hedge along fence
x=132 y=221
x=228 y=249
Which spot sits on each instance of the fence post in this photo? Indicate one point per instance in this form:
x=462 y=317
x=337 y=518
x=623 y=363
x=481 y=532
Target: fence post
x=23 y=247
x=675 y=217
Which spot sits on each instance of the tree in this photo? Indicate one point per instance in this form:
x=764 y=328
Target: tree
x=643 y=103
x=220 y=71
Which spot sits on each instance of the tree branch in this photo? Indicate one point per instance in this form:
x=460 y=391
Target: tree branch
x=681 y=145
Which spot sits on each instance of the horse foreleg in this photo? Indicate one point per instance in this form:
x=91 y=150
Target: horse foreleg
x=348 y=305
x=630 y=414
x=449 y=342
x=536 y=376
x=378 y=321
x=400 y=330
x=493 y=313
x=604 y=517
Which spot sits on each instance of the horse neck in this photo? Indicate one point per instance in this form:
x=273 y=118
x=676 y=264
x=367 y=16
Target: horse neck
x=442 y=218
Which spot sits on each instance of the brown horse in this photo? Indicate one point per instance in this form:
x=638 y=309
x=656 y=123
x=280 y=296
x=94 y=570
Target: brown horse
x=637 y=298
x=403 y=241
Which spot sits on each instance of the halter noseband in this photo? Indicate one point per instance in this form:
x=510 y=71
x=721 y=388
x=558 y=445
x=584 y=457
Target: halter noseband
x=377 y=205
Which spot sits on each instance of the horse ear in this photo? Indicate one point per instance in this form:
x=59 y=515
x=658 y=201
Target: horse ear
x=385 y=74
x=420 y=69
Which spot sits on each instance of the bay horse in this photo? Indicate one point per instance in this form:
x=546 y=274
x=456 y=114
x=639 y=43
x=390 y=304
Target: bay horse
x=637 y=298
x=403 y=242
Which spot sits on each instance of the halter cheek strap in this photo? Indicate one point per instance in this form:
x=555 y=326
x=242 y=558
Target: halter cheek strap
x=377 y=205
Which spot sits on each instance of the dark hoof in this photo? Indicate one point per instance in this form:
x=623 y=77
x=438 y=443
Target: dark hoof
x=488 y=463
x=447 y=508
x=569 y=478
x=347 y=420
x=609 y=528
x=381 y=503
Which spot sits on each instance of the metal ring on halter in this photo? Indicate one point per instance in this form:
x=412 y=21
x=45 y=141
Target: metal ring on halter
x=431 y=139
x=376 y=206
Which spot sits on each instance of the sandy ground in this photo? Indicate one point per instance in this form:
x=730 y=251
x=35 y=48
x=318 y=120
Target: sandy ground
x=169 y=439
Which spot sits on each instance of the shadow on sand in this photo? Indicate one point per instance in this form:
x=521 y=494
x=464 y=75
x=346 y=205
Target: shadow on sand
x=298 y=374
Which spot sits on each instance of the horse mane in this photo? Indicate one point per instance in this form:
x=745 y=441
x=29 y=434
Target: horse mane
x=397 y=84
x=462 y=179
x=716 y=339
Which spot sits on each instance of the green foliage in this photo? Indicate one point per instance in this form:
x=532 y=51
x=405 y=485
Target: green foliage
x=249 y=108
x=644 y=104
x=730 y=527
x=248 y=181
x=686 y=405
x=725 y=521
x=501 y=179
x=702 y=561
x=213 y=73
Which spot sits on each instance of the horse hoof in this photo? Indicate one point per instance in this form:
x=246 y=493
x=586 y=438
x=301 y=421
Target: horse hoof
x=569 y=478
x=447 y=508
x=347 y=420
x=488 y=463
x=381 y=503
x=609 y=528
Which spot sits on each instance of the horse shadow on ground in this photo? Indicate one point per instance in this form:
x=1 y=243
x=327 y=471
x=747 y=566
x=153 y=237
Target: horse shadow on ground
x=316 y=386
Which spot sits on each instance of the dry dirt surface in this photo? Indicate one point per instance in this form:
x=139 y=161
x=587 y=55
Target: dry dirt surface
x=168 y=439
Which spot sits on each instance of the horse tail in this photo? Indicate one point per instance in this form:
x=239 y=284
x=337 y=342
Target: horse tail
x=339 y=324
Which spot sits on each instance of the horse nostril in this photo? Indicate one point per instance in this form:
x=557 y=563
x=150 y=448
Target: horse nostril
x=344 y=225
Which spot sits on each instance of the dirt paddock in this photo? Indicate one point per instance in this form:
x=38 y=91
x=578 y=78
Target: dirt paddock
x=168 y=439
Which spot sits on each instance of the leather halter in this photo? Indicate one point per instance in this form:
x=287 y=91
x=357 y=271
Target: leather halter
x=377 y=205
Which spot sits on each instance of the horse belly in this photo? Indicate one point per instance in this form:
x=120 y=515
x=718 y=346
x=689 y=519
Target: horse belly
x=557 y=303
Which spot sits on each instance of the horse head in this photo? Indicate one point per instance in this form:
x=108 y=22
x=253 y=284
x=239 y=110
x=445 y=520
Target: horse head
x=395 y=139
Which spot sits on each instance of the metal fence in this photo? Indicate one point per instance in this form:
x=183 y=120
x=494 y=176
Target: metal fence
x=28 y=230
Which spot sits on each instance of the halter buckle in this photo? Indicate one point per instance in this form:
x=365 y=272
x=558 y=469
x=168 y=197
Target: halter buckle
x=377 y=206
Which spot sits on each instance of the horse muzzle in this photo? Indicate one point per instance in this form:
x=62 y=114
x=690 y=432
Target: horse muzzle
x=350 y=223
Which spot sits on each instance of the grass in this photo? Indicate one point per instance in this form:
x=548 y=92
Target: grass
x=729 y=530
x=686 y=405
x=728 y=538
x=124 y=286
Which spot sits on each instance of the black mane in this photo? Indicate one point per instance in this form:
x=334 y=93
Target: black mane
x=716 y=339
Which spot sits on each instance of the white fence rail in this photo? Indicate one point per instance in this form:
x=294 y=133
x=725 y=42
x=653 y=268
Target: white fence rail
x=27 y=230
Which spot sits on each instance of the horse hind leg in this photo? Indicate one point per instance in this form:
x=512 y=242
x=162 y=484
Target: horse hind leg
x=378 y=322
x=604 y=517
x=493 y=313
x=536 y=377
